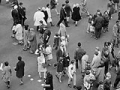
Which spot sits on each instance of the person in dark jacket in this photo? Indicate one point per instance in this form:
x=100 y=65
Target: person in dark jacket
x=76 y=14
x=45 y=13
x=46 y=36
x=78 y=54
x=68 y=10
x=20 y=69
x=98 y=24
x=15 y=15
x=63 y=16
x=48 y=82
x=22 y=13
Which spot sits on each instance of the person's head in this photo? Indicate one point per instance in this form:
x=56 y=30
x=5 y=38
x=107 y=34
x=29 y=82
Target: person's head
x=79 y=88
x=15 y=7
x=47 y=5
x=79 y=44
x=90 y=16
x=96 y=53
x=6 y=63
x=41 y=22
x=20 y=4
x=39 y=9
x=72 y=62
x=87 y=72
x=117 y=22
x=67 y=1
x=43 y=9
x=19 y=58
x=26 y=27
x=63 y=5
x=77 y=5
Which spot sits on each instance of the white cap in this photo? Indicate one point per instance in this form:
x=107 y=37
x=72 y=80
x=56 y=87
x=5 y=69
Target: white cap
x=43 y=8
x=15 y=7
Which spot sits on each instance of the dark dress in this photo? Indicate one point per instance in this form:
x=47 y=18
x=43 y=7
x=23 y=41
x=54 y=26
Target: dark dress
x=76 y=14
x=49 y=81
x=20 y=69
x=53 y=4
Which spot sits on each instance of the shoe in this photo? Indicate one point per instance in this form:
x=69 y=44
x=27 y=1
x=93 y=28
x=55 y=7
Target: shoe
x=74 y=87
x=21 y=83
x=69 y=85
x=67 y=26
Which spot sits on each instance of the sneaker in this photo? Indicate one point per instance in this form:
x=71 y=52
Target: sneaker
x=74 y=87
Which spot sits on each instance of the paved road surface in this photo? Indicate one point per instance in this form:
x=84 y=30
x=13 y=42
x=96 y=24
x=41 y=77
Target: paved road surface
x=9 y=52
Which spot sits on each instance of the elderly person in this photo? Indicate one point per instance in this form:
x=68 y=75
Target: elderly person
x=7 y=72
x=32 y=41
x=39 y=16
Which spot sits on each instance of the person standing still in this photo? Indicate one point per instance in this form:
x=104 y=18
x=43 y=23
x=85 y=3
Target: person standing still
x=78 y=54
x=20 y=69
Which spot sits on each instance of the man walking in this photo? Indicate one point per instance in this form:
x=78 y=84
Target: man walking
x=20 y=69
x=63 y=16
x=78 y=54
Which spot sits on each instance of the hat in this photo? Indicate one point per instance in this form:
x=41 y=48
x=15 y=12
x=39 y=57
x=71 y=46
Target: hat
x=15 y=7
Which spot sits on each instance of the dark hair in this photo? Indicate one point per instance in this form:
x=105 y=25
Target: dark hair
x=117 y=21
x=19 y=58
x=79 y=44
x=47 y=5
x=79 y=87
x=20 y=3
x=26 y=27
x=67 y=1
x=63 y=5
x=6 y=63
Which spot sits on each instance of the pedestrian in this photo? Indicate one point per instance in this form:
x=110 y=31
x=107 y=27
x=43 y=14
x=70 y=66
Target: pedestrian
x=76 y=14
x=79 y=52
x=22 y=13
x=6 y=74
x=19 y=33
x=49 y=20
x=48 y=82
x=63 y=16
x=26 y=44
x=59 y=69
x=45 y=13
x=106 y=21
x=15 y=15
x=85 y=60
x=20 y=69
x=33 y=41
x=72 y=74
x=107 y=81
x=53 y=4
x=117 y=77
x=41 y=65
x=48 y=54
x=68 y=10
x=110 y=8
x=39 y=16
x=56 y=41
x=98 y=24
x=116 y=33
x=46 y=37
x=62 y=31
x=116 y=2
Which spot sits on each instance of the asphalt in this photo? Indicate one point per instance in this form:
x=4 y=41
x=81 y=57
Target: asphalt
x=10 y=52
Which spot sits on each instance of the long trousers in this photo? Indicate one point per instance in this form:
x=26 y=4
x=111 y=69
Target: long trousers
x=72 y=79
x=62 y=19
x=117 y=80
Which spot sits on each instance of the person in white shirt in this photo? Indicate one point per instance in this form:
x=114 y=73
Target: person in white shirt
x=49 y=20
x=39 y=16
x=72 y=74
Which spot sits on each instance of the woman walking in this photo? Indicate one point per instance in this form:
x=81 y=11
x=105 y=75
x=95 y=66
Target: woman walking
x=76 y=14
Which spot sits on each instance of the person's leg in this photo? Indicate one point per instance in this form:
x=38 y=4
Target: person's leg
x=69 y=81
x=21 y=81
x=74 y=81
x=76 y=23
x=116 y=81
x=40 y=74
x=61 y=19
x=76 y=64
x=88 y=28
x=66 y=24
